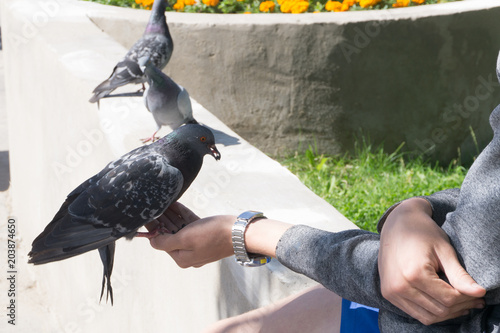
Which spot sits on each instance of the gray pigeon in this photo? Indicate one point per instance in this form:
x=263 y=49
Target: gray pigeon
x=156 y=43
x=127 y=194
x=167 y=101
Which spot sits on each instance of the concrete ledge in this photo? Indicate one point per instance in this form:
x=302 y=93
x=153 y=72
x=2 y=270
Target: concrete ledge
x=419 y=75
x=54 y=56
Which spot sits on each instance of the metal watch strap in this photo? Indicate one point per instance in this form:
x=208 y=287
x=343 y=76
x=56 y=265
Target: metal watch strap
x=238 y=238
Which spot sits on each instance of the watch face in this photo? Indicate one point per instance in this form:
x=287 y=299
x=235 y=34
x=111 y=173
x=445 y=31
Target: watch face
x=250 y=214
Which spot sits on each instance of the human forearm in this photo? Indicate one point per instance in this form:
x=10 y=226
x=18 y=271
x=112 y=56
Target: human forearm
x=344 y=262
x=209 y=239
x=262 y=236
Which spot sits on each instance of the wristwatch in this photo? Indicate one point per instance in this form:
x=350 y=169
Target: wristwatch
x=238 y=236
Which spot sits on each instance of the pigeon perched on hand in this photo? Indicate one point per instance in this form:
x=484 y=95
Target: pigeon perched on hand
x=156 y=43
x=128 y=193
x=167 y=101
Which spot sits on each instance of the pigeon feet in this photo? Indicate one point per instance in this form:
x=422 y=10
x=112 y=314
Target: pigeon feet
x=159 y=230
x=152 y=138
x=142 y=89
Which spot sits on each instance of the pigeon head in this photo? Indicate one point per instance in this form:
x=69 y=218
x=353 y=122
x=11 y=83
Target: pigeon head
x=153 y=74
x=196 y=137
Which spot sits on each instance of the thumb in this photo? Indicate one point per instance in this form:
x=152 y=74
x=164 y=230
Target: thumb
x=459 y=278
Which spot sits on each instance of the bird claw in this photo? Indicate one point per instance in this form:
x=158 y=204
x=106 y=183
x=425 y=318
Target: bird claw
x=159 y=230
x=151 y=138
x=143 y=88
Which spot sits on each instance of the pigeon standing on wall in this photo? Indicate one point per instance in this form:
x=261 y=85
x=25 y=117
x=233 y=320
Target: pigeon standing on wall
x=168 y=102
x=128 y=193
x=156 y=43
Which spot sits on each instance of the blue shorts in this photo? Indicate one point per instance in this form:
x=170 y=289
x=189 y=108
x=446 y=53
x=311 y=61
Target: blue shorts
x=358 y=318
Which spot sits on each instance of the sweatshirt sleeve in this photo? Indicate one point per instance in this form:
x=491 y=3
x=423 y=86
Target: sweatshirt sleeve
x=344 y=262
x=442 y=203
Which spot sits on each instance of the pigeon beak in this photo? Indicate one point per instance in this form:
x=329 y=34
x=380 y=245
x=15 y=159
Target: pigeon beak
x=215 y=153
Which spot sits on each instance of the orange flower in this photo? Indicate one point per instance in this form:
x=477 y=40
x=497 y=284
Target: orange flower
x=401 y=3
x=178 y=6
x=189 y=2
x=147 y=4
x=347 y=4
x=333 y=6
x=286 y=7
x=212 y=3
x=418 y=2
x=368 y=3
x=300 y=7
x=267 y=6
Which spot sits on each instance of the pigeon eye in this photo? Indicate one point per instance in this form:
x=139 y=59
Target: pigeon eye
x=203 y=139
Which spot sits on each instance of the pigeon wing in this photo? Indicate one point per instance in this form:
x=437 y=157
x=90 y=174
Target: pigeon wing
x=134 y=154
x=157 y=47
x=130 y=195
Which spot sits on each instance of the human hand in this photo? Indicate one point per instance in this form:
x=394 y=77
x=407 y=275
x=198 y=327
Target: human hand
x=413 y=252
x=175 y=217
x=193 y=242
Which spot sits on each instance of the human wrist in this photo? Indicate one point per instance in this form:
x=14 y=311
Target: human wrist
x=407 y=214
x=223 y=241
x=263 y=235
x=416 y=204
x=238 y=232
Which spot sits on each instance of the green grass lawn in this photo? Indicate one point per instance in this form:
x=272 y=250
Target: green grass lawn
x=364 y=184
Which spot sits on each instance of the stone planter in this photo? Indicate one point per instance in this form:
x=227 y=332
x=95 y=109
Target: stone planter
x=421 y=75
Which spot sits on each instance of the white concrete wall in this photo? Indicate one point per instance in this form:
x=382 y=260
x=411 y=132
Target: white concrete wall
x=54 y=56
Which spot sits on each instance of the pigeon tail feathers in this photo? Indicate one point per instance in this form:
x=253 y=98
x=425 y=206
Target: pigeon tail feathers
x=65 y=238
x=107 y=254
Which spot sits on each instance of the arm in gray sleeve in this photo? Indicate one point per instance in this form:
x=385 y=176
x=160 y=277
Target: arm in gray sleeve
x=442 y=203
x=344 y=262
